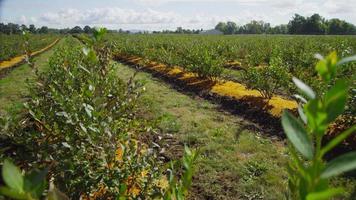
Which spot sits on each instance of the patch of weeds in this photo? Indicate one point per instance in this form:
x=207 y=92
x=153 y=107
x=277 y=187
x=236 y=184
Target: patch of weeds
x=168 y=123
x=349 y=184
x=253 y=195
x=191 y=140
x=204 y=105
x=14 y=108
x=217 y=132
x=254 y=169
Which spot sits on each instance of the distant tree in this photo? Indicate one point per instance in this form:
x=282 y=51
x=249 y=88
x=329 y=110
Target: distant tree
x=221 y=26
x=32 y=28
x=255 y=27
x=64 y=31
x=13 y=28
x=297 y=25
x=76 y=29
x=179 y=30
x=2 y=28
x=23 y=27
x=315 y=24
x=43 y=29
x=231 y=28
x=340 y=27
x=280 y=29
x=87 y=29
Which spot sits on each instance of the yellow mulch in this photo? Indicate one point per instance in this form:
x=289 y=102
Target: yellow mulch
x=274 y=106
x=18 y=59
x=233 y=63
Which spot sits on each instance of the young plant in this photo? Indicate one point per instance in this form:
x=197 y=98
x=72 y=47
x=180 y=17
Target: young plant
x=309 y=172
x=267 y=80
x=28 y=53
x=30 y=186
x=178 y=189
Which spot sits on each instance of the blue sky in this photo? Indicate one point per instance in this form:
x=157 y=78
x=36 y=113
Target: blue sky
x=166 y=14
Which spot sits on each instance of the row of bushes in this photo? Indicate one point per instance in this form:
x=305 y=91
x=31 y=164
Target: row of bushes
x=81 y=124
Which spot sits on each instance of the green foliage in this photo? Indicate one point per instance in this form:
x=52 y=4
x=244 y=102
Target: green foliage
x=309 y=176
x=204 y=63
x=267 y=58
x=30 y=186
x=12 y=45
x=178 y=188
x=82 y=121
x=267 y=80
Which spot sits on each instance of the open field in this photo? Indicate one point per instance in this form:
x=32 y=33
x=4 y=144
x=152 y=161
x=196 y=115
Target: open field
x=107 y=115
x=178 y=100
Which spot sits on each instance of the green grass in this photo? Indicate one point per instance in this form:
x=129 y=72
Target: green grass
x=235 y=162
x=13 y=87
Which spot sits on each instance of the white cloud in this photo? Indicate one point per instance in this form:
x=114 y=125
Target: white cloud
x=111 y=16
x=168 y=17
x=117 y=17
x=340 y=6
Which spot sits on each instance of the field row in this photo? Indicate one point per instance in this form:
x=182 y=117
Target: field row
x=274 y=58
x=13 y=45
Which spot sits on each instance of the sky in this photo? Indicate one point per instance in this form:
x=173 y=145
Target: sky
x=166 y=14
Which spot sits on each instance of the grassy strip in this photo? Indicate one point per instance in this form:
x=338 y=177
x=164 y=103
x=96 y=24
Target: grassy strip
x=229 y=147
x=237 y=160
x=19 y=59
x=13 y=87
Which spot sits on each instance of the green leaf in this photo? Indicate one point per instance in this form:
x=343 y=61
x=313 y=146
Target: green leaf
x=88 y=109
x=35 y=182
x=338 y=139
x=92 y=56
x=305 y=89
x=316 y=116
x=335 y=100
x=99 y=33
x=12 y=193
x=123 y=188
x=302 y=99
x=302 y=114
x=12 y=176
x=327 y=67
x=324 y=195
x=340 y=165
x=297 y=135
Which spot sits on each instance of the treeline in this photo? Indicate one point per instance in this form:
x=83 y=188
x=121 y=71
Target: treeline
x=313 y=25
x=179 y=30
x=12 y=28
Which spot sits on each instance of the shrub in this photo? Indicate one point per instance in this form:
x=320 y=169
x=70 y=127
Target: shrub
x=82 y=124
x=309 y=172
x=267 y=80
x=204 y=62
